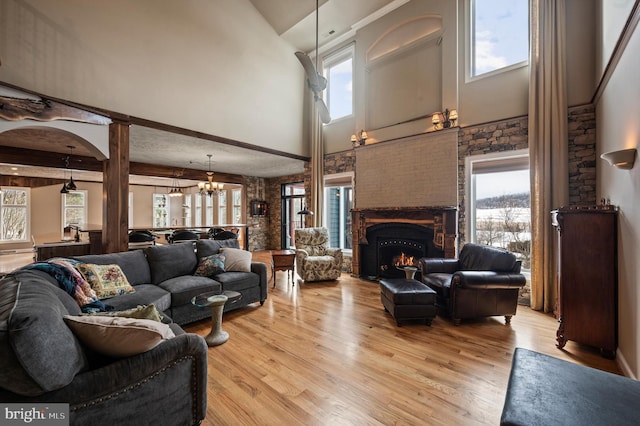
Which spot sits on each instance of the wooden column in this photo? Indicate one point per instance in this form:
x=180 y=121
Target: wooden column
x=115 y=190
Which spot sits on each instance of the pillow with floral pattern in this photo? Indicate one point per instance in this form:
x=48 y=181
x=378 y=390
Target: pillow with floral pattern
x=106 y=280
x=210 y=265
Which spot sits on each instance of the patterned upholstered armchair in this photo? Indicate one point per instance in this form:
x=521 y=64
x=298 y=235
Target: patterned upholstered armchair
x=315 y=261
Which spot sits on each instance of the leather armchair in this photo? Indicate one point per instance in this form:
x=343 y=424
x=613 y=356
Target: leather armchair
x=484 y=281
x=315 y=261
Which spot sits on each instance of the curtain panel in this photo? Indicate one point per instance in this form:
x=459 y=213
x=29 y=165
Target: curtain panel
x=548 y=143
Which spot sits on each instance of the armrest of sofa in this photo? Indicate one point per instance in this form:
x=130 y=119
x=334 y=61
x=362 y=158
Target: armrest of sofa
x=487 y=280
x=166 y=385
x=261 y=269
x=430 y=265
x=336 y=253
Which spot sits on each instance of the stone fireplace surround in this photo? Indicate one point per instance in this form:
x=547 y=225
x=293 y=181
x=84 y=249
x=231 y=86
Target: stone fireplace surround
x=403 y=223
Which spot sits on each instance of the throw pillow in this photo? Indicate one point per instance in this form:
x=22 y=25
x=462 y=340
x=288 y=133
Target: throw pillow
x=236 y=259
x=116 y=336
x=210 y=265
x=106 y=280
x=149 y=312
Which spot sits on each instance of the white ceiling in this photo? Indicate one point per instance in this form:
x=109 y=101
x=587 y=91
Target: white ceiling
x=294 y=21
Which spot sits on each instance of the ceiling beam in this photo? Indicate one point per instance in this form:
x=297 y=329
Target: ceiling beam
x=29 y=157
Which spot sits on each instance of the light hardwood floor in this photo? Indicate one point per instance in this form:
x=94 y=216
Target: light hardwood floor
x=328 y=353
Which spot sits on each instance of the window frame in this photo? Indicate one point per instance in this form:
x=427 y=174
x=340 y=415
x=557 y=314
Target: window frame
x=507 y=158
x=469 y=47
x=27 y=207
x=339 y=180
x=85 y=208
x=331 y=60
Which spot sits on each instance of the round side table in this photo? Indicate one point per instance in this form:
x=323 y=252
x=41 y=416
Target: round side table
x=216 y=301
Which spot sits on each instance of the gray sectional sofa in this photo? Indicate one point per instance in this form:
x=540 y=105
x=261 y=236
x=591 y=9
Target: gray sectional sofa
x=163 y=275
x=44 y=361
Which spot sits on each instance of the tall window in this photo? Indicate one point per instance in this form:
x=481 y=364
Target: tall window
x=222 y=207
x=208 y=221
x=338 y=70
x=499 y=202
x=237 y=205
x=197 y=214
x=74 y=208
x=14 y=212
x=186 y=210
x=338 y=202
x=292 y=202
x=499 y=35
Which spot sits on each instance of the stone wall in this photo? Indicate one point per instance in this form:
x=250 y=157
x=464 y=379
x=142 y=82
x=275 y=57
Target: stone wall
x=499 y=136
x=256 y=226
x=582 y=155
x=512 y=134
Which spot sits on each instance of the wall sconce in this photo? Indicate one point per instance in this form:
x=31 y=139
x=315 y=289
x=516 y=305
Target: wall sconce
x=259 y=208
x=446 y=120
x=623 y=159
x=359 y=139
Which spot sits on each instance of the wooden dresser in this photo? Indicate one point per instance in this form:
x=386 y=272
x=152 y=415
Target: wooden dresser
x=587 y=276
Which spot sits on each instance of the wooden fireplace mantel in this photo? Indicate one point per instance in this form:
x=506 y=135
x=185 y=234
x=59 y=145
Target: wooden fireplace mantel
x=442 y=219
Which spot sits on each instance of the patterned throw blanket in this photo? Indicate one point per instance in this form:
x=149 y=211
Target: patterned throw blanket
x=71 y=281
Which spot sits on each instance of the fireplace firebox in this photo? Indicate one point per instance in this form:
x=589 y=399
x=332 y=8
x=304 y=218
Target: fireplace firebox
x=391 y=246
x=388 y=239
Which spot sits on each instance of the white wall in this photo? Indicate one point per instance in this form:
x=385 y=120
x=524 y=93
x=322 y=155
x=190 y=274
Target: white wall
x=212 y=66
x=618 y=127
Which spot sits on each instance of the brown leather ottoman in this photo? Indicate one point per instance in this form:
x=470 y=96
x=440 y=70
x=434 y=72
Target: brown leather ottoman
x=408 y=300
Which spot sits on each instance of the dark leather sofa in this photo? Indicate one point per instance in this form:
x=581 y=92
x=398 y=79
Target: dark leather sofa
x=484 y=281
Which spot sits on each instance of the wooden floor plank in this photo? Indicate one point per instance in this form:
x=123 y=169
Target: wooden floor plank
x=328 y=353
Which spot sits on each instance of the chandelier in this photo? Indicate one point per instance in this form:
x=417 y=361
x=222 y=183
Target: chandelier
x=210 y=187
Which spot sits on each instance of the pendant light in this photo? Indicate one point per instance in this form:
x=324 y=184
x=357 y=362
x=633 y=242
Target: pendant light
x=71 y=186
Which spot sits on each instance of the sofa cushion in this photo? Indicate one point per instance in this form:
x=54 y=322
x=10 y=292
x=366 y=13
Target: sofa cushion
x=186 y=287
x=236 y=259
x=171 y=261
x=149 y=312
x=133 y=264
x=106 y=280
x=237 y=281
x=116 y=336
x=39 y=353
x=145 y=294
x=210 y=265
x=206 y=248
x=476 y=257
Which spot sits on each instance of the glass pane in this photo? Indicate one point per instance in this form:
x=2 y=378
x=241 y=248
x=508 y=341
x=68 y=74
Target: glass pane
x=237 y=215
x=500 y=34
x=14 y=196
x=198 y=211
x=74 y=199
x=347 y=199
x=503 y=212
x=14 y=222
x=209 y=211
x=73 y=216
x=294 y=189
x=222 y=215
x=237 y=197
x=340 y=89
